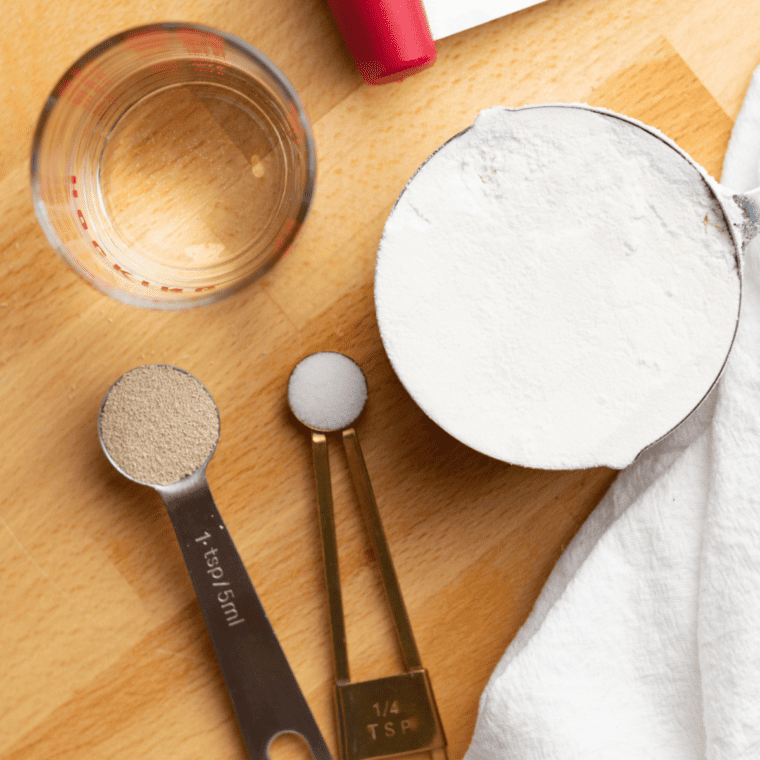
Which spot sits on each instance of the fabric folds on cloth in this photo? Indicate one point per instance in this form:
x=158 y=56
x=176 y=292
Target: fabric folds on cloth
x=645 y=641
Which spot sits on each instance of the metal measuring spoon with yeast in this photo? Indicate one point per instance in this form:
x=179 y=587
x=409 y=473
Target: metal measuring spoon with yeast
x=394 y=716
x=159 y=426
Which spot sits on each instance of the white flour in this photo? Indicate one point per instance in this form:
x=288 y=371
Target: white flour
x=556 y=287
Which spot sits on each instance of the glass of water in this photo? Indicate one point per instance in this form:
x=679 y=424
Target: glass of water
x=172 y=165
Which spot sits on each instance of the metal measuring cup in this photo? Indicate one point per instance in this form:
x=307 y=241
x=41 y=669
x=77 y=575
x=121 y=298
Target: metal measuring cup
x=261 y=684
x=737 y=213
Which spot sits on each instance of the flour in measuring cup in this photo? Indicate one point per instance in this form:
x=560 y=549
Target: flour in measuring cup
x=557 y=287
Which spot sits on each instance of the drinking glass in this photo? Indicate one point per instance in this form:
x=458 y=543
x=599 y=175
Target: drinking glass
x=171 y=165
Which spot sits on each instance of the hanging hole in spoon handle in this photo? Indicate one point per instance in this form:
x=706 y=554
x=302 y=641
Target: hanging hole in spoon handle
x=749 y=204
x=261 y=684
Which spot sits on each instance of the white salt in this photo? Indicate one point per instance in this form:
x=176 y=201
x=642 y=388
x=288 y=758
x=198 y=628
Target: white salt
x=557 y=287
x=327 y=391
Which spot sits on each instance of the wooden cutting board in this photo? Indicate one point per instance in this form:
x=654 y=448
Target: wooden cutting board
x=104 y=651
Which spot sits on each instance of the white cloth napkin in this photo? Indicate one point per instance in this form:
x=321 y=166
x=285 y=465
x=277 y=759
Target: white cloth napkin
x=645 y=641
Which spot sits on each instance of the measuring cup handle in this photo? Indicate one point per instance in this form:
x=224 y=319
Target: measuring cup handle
x=263 y=689
x=749 y=203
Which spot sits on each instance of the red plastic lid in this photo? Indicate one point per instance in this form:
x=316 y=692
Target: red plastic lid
x=389 y=39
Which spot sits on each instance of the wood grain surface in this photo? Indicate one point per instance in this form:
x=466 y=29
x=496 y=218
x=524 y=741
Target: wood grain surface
x=103 y=649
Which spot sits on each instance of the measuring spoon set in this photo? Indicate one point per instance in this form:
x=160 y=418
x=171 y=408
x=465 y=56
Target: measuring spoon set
x=393 y=716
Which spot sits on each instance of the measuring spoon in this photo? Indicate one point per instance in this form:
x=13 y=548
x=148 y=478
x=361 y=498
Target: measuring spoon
x=327 y=392
x=263 y=689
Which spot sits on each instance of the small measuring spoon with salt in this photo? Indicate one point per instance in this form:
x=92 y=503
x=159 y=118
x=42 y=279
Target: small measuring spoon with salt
x=396 y=715
x=159 y=426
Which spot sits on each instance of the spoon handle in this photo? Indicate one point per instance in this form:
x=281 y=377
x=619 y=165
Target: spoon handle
x=330 y=555
x=366 y=497
x=263 y=689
